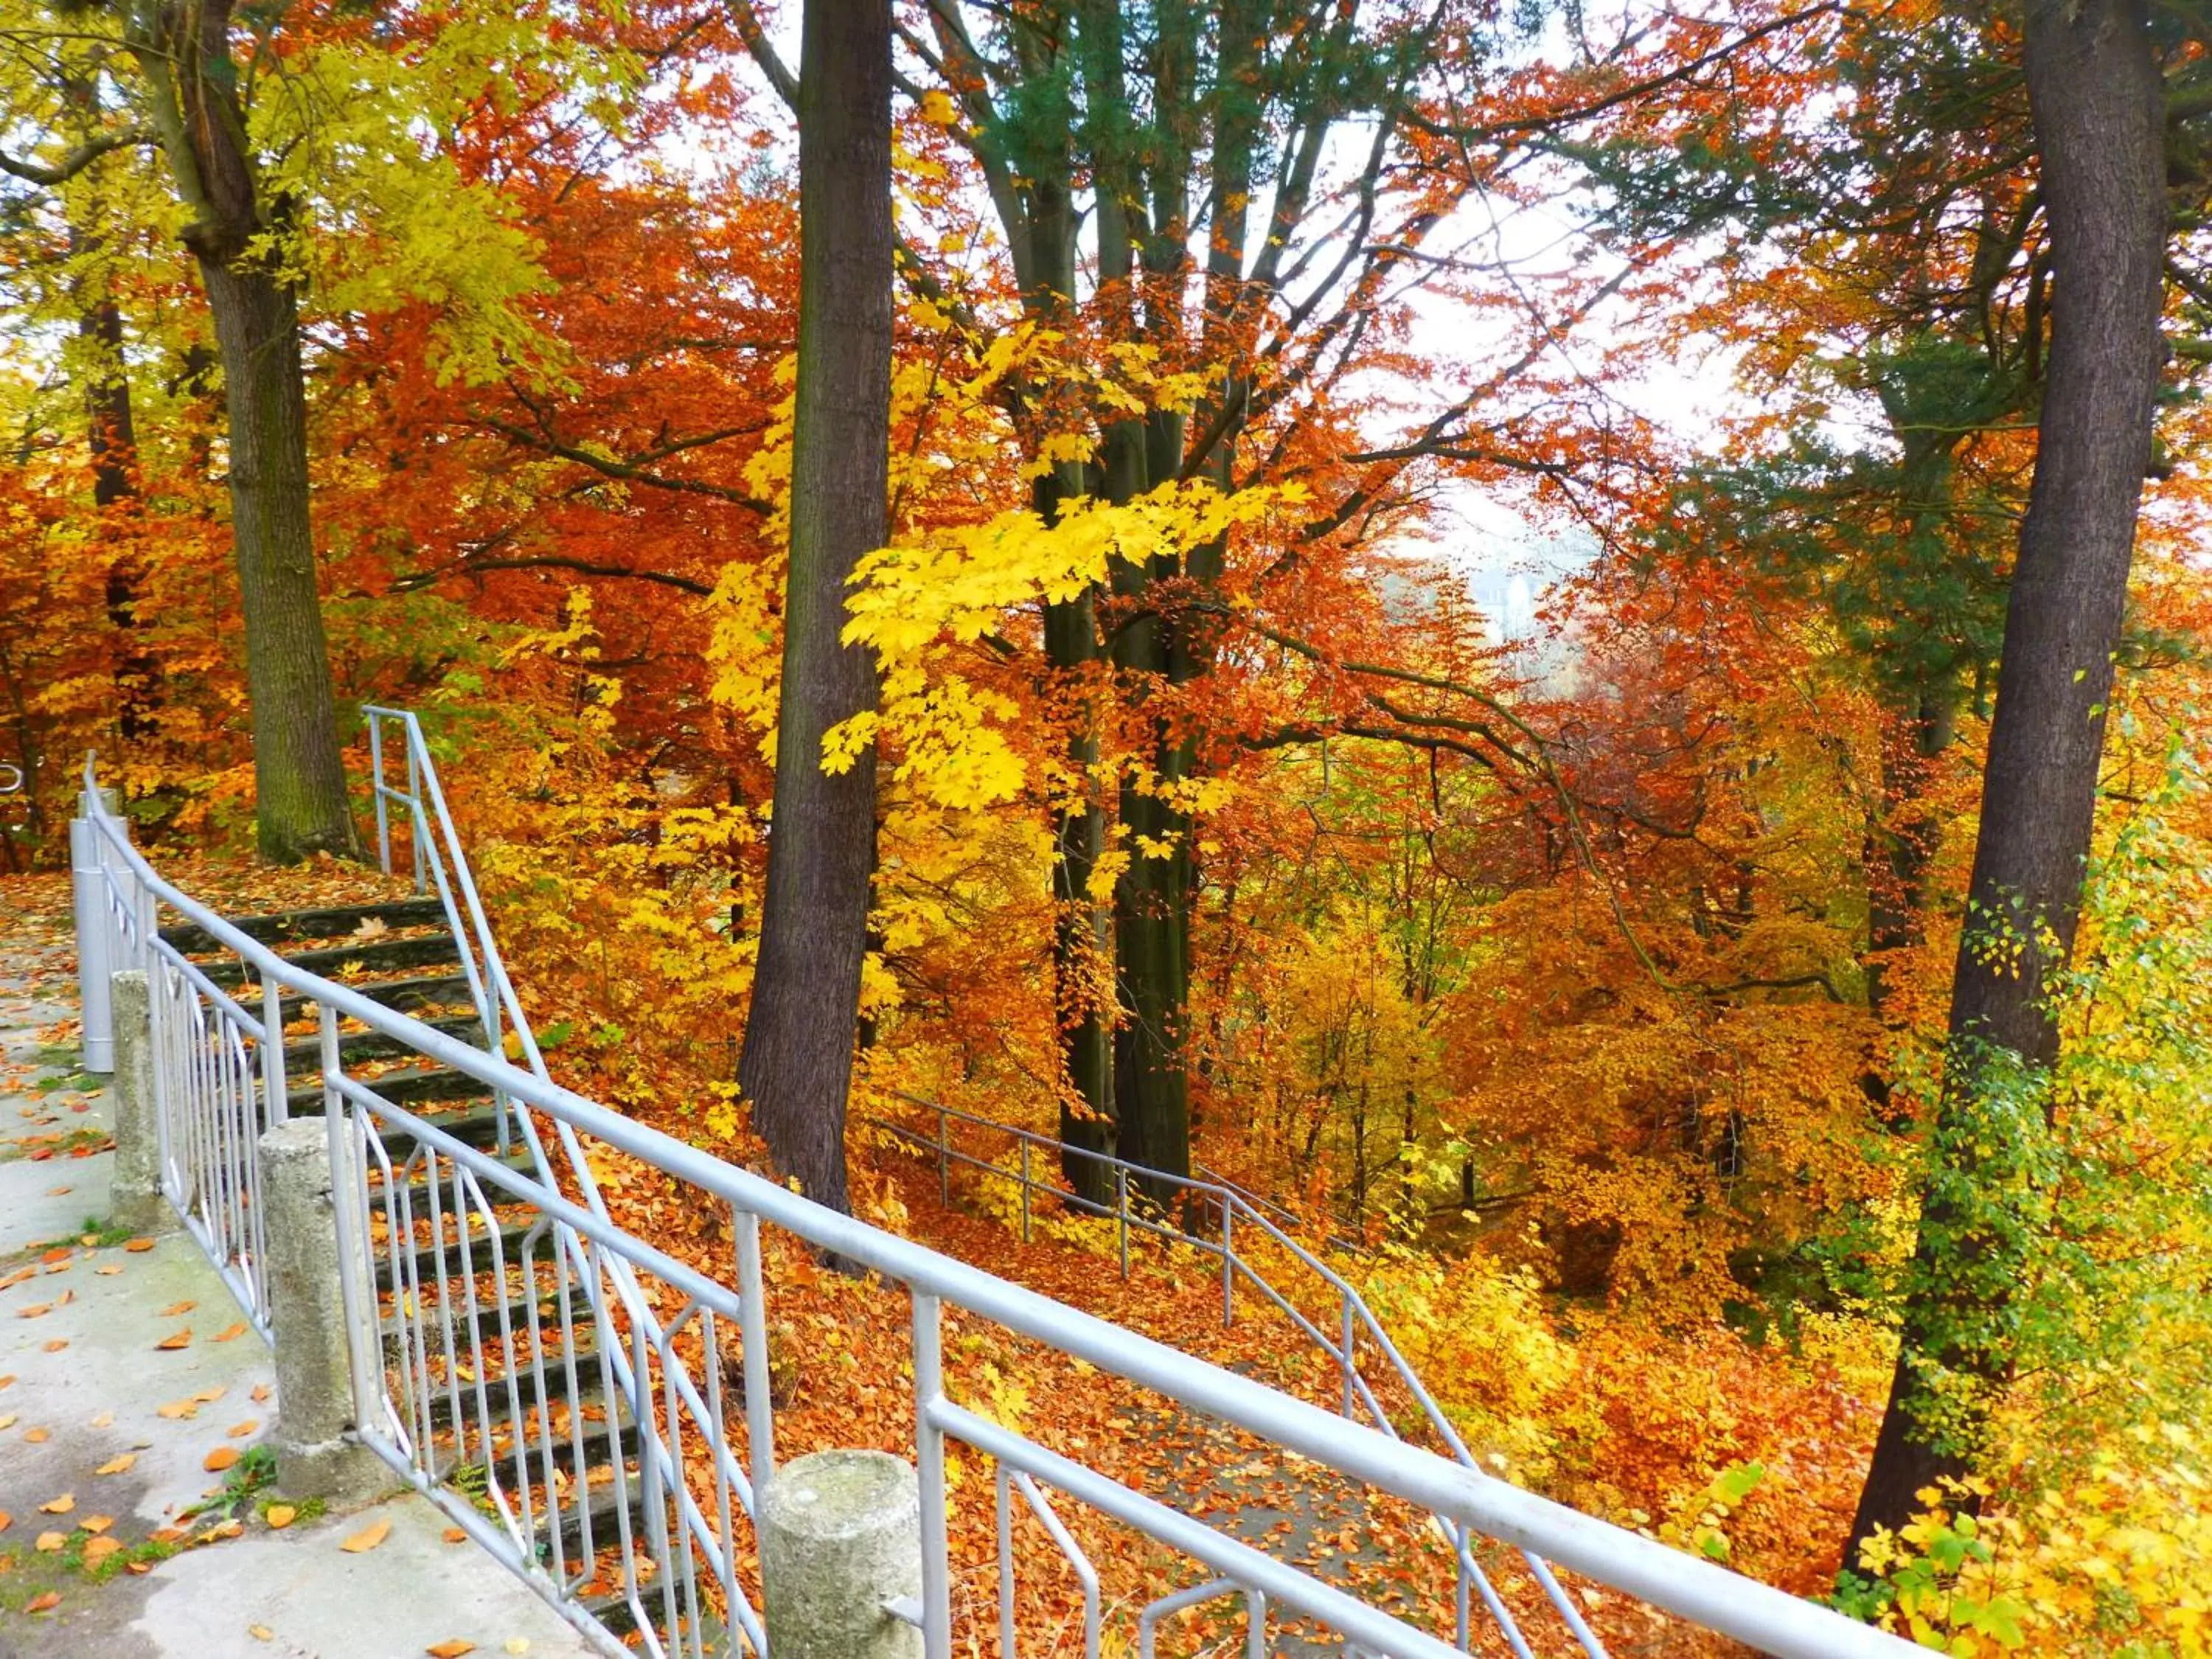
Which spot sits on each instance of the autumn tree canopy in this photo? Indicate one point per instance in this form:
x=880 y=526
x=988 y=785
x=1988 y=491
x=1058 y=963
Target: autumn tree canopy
x=1537 y=632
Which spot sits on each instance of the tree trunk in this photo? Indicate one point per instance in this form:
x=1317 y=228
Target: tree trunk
x=299 y=772
x=798 y=1059
x=2095 y=89
x=184 y=52
x=114 y=443
x=1902 y=843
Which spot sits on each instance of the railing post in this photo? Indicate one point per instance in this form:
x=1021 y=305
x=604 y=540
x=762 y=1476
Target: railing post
x=318 y=1453
x=417 y=823
x=944 y=1162
x=276 y=1101
x=1345 y=1354
x=1025 y=1191
x=376 y=790
x=1122 y=1214
x=839 y=1541
x=355 y=1276
x=95 y=937
x=135 y=1198
x=1228 y=1263
x=929 y=1456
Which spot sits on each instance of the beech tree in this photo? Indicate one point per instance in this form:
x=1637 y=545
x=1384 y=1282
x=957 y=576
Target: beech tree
x=2097 y=100
x=798 y=1057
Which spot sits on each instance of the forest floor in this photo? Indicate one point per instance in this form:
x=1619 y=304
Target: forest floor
x=136 y=1521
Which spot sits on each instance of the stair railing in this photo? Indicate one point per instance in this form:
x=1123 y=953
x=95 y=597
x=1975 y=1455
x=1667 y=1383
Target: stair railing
x=1234 y=1208
x=676 y=1571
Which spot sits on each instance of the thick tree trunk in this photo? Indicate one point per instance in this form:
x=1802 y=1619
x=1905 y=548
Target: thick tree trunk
x=185 y=54
x=2095 y=89
x=298 y=773
x=797 y=1058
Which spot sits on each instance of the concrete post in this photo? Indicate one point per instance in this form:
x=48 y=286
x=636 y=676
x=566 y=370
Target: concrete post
x=840 y=1535
x=135 y=1197
x=317 y=1453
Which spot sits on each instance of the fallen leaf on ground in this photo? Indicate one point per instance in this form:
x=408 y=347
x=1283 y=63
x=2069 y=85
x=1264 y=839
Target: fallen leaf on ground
x=261 y=1632
x=52 y=1256
x=231 y=1333
x=452 y=1650
x=227 y=1529
x=61 y=1505
x=454 y=1535
x=169 y=1535
x=139 y=1246
x=44 y=1603
x=518 y=1645
x=368 y=1538
x=17 y=1278
x=57 y=1344
x=240 y=1430
x=260 y=1393
x=9 y=1421
x=99 y=1549
x=280 y=1515
x=206 y=1394
x=5 y=1380
x=97 y=1523
x=118 y=1464
x=176 y=1409
x=104 y=1420
x=111 y=1268
x=36 y=1436
x=176 y=1340
x=36 y=1310
x=50 y=1542
x=57 y=1192
x=177 y=1308
x=220 y=1459
x=6 y=1520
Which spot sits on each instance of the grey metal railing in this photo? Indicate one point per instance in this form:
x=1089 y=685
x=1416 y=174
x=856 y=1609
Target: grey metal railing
x=600 y=1297
x=1136 y=1209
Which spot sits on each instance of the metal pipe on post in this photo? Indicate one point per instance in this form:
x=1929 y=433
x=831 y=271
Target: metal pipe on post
x=944 y=1162
x=1025 y=1191
x=95 y=936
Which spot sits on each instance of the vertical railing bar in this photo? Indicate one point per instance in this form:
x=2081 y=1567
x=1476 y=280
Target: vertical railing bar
x=1122 y=1214
x=376 y=792
x=752 y=1332
x=1005 y=1517
x=929 y=1458
x=1228 y=1263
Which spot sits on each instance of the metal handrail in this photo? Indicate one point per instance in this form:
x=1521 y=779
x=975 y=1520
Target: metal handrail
x=1469 y=1501
x=1355 y=1316
x=1231 y=1202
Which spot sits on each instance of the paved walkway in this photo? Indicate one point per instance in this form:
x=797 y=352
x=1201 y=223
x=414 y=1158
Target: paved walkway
x=92 y=1384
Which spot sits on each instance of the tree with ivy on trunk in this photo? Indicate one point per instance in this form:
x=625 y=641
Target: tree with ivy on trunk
x=2101 y=114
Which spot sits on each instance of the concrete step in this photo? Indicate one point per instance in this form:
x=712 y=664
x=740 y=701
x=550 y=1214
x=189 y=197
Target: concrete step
x=333 y=962
x=290 y=927
x=306 y=1055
